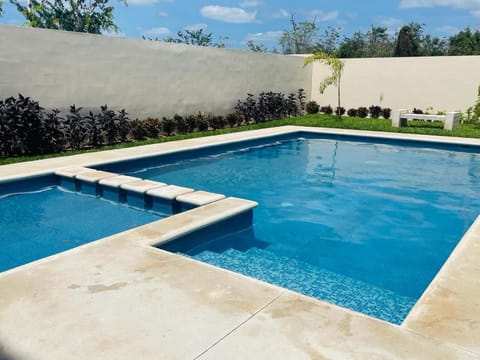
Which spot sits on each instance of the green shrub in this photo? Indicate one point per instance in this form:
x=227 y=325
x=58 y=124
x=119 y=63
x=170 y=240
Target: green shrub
x=168 y=125
x=375 y=111
x=180 y=124
x=326 y=110
x=340 y=110
x=352 y=112
x=312 y=107
x=151 y=127
x=386 y=112
x=362 y=112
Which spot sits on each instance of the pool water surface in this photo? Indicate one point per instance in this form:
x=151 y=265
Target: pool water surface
x=359 y=224
x=48 y=220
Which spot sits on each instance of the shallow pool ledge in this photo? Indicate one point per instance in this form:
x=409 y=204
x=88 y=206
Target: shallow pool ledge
x=449 y=309
x=184 y=223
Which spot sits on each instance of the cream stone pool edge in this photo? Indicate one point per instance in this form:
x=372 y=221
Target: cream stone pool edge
x=447 y=314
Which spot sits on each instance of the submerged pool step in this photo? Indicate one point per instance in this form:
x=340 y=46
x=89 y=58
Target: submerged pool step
x=134 y=191
x=312 y=281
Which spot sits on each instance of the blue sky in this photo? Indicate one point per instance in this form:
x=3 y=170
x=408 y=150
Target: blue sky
x=264 y=20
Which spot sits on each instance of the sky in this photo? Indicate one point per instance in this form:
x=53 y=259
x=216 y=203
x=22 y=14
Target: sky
x=263 y=21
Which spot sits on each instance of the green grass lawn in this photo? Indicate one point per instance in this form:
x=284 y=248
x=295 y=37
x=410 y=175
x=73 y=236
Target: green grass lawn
x=317 y=120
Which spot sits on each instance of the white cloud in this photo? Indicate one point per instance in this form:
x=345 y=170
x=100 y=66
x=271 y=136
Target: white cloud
x=447 y=29
x=473 y=6
x=196 y=27
x=157 y=31
x=282 y=13
x=142 y=2
x=163 y=14
x=389 y=22
x=228 y=14
x=264 y=36
x=324 y=16
x=250 y=3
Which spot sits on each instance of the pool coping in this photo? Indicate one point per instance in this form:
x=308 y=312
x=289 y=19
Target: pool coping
x=445 y=320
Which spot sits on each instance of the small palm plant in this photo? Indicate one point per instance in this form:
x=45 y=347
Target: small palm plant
x=336 y=65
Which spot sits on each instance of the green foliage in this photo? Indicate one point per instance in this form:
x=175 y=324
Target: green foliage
x=476 y=108
x=466 y=42
x=256 y=47
x=270 y=106
x=326 y=110
x=362 y=112
x=375 y=111
x=376 y=42
x=353 y=47
x=335 y=65
x=352 y=112
x=407 y=43
x=93 y=16
x=168 y=125
x=317 y=120
x=339 y=111
x=195 y=37
x=302 y=38
x=312 y=107
x=328 y=41
x=27 y=129
x=433 y=46
x=1 y=7
x=234 y=119
x=386 y=112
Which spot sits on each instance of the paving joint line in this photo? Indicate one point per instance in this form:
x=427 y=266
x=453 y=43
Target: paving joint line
x=239 y=325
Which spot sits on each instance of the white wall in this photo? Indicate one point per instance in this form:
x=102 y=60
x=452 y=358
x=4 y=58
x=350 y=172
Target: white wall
x=444 y=83
x=150 y=78
x=146 y=78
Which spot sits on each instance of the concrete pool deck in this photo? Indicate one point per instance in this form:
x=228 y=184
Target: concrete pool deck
x=121 y=298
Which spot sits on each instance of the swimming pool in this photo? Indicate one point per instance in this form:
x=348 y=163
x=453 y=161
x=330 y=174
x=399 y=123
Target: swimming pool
x=360 y=224
x=39 y=218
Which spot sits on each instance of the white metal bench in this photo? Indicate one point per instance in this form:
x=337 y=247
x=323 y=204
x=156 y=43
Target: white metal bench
x=450 y=119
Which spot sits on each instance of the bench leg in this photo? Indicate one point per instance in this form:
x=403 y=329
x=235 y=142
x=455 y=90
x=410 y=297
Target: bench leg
x=452 y=119
x=397 y=120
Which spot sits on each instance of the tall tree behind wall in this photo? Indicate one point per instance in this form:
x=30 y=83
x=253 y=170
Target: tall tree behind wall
x=93 y=16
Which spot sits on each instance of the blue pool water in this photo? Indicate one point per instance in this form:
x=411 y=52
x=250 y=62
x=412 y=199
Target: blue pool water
x=44 y=221
x=362 y=225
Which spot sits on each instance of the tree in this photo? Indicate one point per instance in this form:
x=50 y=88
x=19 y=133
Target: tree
x=434 y=46
x=301 y=39
x=328 y=42
x=336 y=66
x=256 y=47
x=354 y=47
x=407 y=44
x=374 y=43
x=195 y=37
x=379 y=43
x=93 y=16
x=1 y=8
x=465 y=42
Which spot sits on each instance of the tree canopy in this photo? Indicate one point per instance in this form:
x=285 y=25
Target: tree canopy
x=302 y=38
x=195 y=37
x=92 y=16
x=466 y=42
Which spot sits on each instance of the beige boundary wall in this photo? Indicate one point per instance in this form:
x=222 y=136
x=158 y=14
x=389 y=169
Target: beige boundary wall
x=146 y=78
x=159 y=79
x=445 y=83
